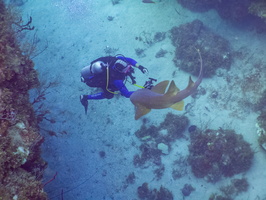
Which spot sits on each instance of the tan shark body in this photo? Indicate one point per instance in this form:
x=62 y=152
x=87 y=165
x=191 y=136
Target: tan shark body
x=156 y=98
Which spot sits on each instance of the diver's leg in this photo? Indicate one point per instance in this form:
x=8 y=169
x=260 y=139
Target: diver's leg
x=96 y=96
x=122 y=88
x=84 y=99
x=107 y=94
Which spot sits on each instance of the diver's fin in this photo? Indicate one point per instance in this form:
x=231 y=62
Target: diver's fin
x=140 y=111
x=84 y=102
x=178 y=106
x=160 y=87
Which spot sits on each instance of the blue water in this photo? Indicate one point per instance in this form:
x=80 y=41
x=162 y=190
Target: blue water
x=68 y=35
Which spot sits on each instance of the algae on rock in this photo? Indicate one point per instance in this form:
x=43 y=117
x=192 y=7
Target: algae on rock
x=21 y=167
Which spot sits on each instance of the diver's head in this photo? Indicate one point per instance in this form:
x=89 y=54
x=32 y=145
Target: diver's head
x=122 y=66
x=92 y=69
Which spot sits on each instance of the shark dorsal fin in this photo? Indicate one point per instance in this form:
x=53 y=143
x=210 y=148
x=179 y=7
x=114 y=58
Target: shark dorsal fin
x=172 y=90
x=160 y=87
x=140 y=111
x=190 y=83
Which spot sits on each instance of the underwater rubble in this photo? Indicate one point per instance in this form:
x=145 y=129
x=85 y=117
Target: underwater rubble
x=21 y=166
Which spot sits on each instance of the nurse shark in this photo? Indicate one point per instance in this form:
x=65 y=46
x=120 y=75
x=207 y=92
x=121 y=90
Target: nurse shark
x=156 y=98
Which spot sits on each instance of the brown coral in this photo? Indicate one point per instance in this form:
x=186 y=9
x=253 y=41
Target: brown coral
x=21 y=166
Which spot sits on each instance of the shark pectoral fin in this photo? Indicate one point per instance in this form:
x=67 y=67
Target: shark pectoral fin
x=140 y=111
x=160 y=87
x=172 y=90
x=178 y=106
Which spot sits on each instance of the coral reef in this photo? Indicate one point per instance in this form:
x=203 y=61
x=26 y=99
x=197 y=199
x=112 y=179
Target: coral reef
x=174 y=125
x=229 y=192
x=217 y=153
x=110 y=51
x=149 y=152
x=159 y=36
x=187 y=189
x=242 y=13
x=260 y=105
x=215 y=50
x=21 y=166
x=258 y=8
x=180 y=167
x=235 y=10
x=114 y=2
x=149 y=39
x=159 y=172
x=140 y=52
x=130 y=179
x=219 y=197
x=237 y=186
x=156 y=142
x=161 y=53
x=144 y=193
x=157 y=139
x=261 y=126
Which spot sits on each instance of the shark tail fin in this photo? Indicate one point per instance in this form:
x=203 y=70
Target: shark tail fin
x=172 y=90
x=178 y=106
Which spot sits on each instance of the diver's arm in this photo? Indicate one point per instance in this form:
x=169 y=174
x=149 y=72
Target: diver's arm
x=131 y=61
x=144 y=70
x=134 y=64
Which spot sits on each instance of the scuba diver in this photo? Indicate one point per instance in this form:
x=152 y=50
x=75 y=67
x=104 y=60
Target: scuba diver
x=109 y=74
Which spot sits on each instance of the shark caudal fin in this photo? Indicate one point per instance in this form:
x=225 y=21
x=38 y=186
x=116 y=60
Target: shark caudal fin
x=140 y=111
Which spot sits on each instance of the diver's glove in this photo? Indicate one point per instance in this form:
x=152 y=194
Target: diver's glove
x=144 y=70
